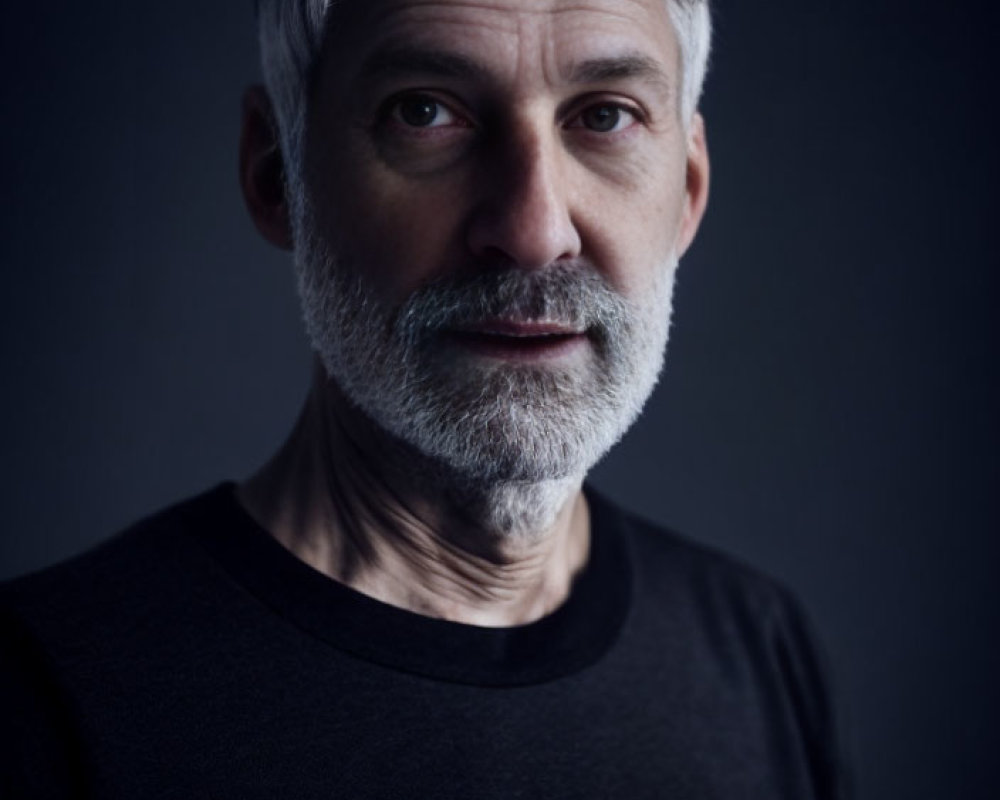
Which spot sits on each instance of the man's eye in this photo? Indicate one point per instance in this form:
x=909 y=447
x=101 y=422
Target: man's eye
x=423 y=111
x=605 y=118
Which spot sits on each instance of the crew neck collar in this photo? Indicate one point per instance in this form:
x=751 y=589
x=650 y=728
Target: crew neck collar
x=572 y=637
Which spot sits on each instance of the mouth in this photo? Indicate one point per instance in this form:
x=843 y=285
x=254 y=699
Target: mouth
x=518 y=341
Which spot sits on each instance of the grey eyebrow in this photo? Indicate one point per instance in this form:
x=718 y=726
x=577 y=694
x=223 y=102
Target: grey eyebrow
x=632 y=65
x=403 y=61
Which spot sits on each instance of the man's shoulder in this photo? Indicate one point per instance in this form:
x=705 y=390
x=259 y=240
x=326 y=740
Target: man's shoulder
x=720 y=610
x=671 y=567
x=87 y=643
x=145 y=563
x=730 y=634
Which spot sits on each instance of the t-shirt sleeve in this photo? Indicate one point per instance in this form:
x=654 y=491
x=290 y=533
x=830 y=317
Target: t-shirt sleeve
x=806 y=675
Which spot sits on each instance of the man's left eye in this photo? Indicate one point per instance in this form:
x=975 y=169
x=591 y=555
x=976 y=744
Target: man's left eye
x=605 y=118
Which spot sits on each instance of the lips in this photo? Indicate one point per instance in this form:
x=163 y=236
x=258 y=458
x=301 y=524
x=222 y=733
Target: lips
x=518 y=329
x=517 y=340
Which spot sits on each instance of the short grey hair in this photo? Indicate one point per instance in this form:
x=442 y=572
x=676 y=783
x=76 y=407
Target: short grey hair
x=291 y=34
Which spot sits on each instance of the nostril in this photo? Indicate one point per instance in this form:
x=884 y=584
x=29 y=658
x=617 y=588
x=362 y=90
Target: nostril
x=523 y=237
x=532 y=227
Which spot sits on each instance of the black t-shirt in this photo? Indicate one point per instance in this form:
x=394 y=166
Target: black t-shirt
x=194 y=657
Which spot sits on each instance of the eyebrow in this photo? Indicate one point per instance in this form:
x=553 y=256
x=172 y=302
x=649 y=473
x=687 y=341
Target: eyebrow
x=402 y=61
x=631 y=65
x=405 y=61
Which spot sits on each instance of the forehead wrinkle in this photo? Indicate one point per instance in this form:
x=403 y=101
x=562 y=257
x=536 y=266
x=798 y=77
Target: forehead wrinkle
x=342 y=16
x=413 y=37
x=389 y=7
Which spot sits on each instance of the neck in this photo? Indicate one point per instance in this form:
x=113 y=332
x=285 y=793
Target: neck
x=364 y=510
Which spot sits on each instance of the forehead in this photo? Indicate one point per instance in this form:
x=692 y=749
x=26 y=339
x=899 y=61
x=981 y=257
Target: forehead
x=519 y=39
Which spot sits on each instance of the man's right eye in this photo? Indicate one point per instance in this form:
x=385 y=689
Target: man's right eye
x=423 y=111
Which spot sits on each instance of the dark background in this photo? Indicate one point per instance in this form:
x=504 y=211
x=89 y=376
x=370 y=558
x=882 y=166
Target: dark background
x=829 y=410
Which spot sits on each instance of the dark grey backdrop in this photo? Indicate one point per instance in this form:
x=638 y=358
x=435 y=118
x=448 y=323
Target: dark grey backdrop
x=829 y=407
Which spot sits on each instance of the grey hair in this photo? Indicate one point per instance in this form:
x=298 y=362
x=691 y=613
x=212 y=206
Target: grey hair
x=291 y=33
x=693 y=26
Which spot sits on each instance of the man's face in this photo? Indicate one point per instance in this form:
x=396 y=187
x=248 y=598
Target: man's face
x=493 y=199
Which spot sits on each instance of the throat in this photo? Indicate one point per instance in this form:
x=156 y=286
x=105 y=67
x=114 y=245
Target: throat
x=337 y=498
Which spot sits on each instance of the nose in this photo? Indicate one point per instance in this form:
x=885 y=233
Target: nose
x=524 y=217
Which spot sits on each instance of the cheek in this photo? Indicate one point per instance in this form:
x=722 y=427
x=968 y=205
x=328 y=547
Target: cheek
x=633 y=226
x=399 y=232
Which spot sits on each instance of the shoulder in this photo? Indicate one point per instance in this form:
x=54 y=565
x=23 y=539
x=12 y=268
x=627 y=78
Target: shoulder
x=116 y=583
x=672 y=568
x=722 y=613
x=71 y=633
x=729 y=626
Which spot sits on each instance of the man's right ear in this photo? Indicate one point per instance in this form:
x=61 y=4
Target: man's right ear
x=262 y=169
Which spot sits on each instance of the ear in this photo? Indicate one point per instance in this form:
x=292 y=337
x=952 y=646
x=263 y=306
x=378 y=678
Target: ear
x=262 y=169
x=697 y=184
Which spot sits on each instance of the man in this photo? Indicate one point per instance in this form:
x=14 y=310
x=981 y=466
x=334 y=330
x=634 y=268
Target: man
x=416 y=597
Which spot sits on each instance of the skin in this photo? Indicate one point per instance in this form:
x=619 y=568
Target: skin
x=450 y=136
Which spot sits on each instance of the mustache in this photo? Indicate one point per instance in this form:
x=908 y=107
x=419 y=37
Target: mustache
x=566 y=294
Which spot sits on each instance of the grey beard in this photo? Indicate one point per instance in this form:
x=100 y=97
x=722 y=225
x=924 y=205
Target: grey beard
x=509 y=443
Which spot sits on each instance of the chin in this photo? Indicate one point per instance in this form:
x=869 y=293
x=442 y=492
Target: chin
x=522 y=510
